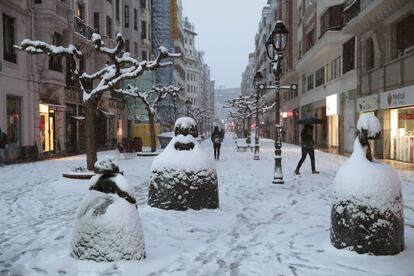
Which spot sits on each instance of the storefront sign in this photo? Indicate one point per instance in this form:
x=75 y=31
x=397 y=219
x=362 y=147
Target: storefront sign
x=332 y=105
x=369 y=103
x=397 y=98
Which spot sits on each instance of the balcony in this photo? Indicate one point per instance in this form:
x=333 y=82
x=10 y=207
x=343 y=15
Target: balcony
x=83 y=29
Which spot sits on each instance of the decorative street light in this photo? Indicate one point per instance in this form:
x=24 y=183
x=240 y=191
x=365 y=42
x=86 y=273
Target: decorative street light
x=188 y=104
x=259 y=86
x=275 y=45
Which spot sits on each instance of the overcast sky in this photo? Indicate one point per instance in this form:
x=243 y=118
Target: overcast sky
x=226 y=30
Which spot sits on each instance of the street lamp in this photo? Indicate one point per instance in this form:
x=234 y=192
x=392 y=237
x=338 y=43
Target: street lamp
x=188 y=106
x=259 y=86
x=275 y=45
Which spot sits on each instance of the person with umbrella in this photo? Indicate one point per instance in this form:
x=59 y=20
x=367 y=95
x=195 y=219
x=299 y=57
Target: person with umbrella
x=308 y=145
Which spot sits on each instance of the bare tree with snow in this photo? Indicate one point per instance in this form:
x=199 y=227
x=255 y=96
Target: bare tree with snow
x=121 y=66
x=151 y=99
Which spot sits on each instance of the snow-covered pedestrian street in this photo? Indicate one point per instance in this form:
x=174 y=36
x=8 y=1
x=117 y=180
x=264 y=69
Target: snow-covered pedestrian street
x=260 y=228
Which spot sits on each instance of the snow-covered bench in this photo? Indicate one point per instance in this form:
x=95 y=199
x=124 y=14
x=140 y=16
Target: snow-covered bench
x=242 y=145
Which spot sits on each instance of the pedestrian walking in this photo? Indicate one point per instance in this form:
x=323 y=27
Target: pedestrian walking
x=308 y=147
x=3 y=146
x=216 y=138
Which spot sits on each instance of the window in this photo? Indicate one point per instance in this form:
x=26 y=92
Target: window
x=143 y=29
x=332 y=19
x=143 y=4
x=349 y=55
x=38 y=1
x=405 y=35
x=144 y=55
x=335 y=68
x=135 y=20
x=319 y=77
x=191 y=41
x=80 y=11
x=369 y=54
x=310 y=39
x=126 y=16
x=126 y=45
x=55 y=62
x=109 y=26
x=70 y=67
x=135 y=49
x=96 y=21
x=9 y=37
x=309 y=81
x=14 y=119
x=117 y=10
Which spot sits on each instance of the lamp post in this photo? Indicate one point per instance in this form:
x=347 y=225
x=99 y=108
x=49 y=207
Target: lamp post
x=175 y=96
x=188 y=106
x=259 y=86
x=275 y=45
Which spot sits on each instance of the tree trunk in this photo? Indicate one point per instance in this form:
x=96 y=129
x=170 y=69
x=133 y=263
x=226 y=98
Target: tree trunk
x=90 y=119
x=152 y=131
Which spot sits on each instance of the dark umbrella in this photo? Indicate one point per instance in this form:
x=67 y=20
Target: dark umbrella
x=310 y=121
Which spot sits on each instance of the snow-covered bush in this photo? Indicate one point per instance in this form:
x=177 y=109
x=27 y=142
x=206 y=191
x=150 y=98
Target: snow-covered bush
x=183 y=176
x=367 y=211
x=107 y=224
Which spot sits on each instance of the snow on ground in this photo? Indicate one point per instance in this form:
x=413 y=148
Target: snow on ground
x=260 y=228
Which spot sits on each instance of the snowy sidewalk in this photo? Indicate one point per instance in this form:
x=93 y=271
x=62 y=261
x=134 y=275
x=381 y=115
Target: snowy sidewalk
x=260 y=228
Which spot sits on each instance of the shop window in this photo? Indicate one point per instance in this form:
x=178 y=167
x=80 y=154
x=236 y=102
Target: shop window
x=143 y=29
x=349 y=55
x=405 y=35
x=55 y=62
x=109 y=26
x=9 y=37
x=402 y=134
x=369 y=54
x=135 y=49
x=126 y=16
x=96 y=21
x=14 y=120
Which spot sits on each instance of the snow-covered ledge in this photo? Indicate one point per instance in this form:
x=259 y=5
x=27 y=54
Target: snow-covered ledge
x=367 y=211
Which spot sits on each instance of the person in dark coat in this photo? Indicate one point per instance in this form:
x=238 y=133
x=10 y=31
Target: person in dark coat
x=216 y=138
x=308 y=147
x=3 y=146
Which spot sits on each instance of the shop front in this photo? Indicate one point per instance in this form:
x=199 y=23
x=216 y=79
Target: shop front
x=50 y=122
x=400 y=105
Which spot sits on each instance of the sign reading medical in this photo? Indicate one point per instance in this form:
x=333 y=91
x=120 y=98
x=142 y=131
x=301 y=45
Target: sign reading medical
x=332 y=105
x=397 y=98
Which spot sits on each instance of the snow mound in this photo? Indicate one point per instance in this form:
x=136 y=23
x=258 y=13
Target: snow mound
x=368 y=183
x=106 y=165
x=107 y=228
x=369 y=123
x=185 y=160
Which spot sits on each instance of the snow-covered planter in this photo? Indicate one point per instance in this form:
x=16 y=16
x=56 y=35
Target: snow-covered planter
x=183 y=176
x=107 y=225
x=367 y=212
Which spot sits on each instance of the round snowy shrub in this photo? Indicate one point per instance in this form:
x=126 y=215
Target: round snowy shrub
x=107 y=225
x=367 y=211
x=183 y=176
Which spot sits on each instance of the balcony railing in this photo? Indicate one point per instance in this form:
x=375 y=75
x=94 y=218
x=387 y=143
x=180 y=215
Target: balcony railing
x=83 y=29
x=351 y=9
